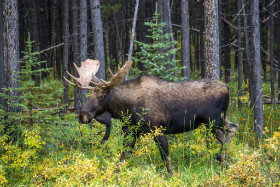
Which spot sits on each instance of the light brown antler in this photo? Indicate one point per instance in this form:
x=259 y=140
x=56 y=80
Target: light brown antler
x=115 y=79
x=86 y=72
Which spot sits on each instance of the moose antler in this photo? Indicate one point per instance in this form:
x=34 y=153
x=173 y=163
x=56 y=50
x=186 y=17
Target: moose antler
x=86 y=72
x=115 y=79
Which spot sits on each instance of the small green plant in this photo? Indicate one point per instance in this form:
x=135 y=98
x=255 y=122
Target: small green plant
x=37 y=110
x=153 y=55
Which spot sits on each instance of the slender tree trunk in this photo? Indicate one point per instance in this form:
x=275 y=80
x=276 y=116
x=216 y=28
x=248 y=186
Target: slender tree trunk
x=66 y=52
x=58 y=40
x=11 y=55
x=212 y=63
x=256 y=68
x=1 y=56
x=54 y=11
x=44 y=34
x=34 y=32
x=83 y=41
x=76 y=51
x=201 y=36
x=119 y=39
x=96 y=22
x=165 y=16
x=132 y=33
x=141 y=29
x=196 y=51
x=186 y=72
x=278 y=50
x=247 y=54
x=239 y=55
x=271 y=57
x=264 y=36
x=227 y=34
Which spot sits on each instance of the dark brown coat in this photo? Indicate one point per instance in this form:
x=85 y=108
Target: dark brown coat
x=177 y=107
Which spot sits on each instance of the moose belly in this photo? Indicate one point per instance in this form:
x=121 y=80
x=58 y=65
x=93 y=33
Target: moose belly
x=183 y=122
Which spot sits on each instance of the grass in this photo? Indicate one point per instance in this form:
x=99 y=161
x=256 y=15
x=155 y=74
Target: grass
x=70 y=154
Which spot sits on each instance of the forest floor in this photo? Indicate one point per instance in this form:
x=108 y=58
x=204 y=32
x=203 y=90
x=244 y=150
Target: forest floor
x=70 y=154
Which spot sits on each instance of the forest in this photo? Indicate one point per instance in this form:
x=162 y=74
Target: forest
x=42 y=142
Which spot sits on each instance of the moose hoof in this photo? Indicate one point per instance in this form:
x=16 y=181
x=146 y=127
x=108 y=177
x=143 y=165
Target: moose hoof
x=219 y=157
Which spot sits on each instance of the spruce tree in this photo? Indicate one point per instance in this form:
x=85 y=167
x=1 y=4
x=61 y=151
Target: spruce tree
x=153 y=55
x=38 y=104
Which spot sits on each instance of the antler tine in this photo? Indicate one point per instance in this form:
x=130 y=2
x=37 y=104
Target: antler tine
x=76 y=82
x=115 y=79
x=86 y=73
x=76 y=68
x=75 y=78
x=112 y=75
x=69 y=81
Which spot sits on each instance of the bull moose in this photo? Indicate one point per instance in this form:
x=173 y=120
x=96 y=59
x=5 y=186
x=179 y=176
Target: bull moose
x=176 y=106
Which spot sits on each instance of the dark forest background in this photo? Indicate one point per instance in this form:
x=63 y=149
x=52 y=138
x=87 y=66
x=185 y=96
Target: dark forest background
x=236 y=41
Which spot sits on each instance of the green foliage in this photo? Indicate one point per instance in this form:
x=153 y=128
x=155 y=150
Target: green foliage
x=153 y=55
x=37 y=103
x=61 y=152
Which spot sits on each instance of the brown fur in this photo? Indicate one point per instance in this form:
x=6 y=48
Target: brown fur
x=178 y=107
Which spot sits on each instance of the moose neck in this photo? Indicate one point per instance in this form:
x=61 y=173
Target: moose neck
x=118 y=100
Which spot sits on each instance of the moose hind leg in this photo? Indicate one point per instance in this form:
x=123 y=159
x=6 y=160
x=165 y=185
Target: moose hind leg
x=231 y=129
x=225 y=135
x=163 y=148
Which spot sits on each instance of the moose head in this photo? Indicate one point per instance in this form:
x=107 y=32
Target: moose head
x=96 y=105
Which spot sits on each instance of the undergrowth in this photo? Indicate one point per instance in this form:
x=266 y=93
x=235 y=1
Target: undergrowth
x=73 y=155
x=58 y=151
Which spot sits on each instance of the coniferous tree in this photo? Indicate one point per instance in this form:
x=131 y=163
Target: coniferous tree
x=153 y=57
x=36 y=103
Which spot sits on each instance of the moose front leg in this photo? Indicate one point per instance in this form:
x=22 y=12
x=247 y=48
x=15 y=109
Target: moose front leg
x=129 y=142
x=105 y=118
x=163 y=148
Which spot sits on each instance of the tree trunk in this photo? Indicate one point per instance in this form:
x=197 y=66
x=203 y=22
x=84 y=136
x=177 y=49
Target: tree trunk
x=83 y=41
x=264 y=36
x=165 y=16
x=256 y=68
x=239 y=55
x=11 y=54
x=271 y=57
x=44 y=34
x=119 y=39
x=185 y=39
x=96 y=22
x=66 y=52
x=53 y=33
x=201 y=41
x=278 y=50
x=227 y=34
x=212 y=63
x=34 y=32
x=132 y=34
x=196 y=51
x=248 y=65
x=75 y=27
x=58 y=40
x=1 y=55
x=141 y=29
